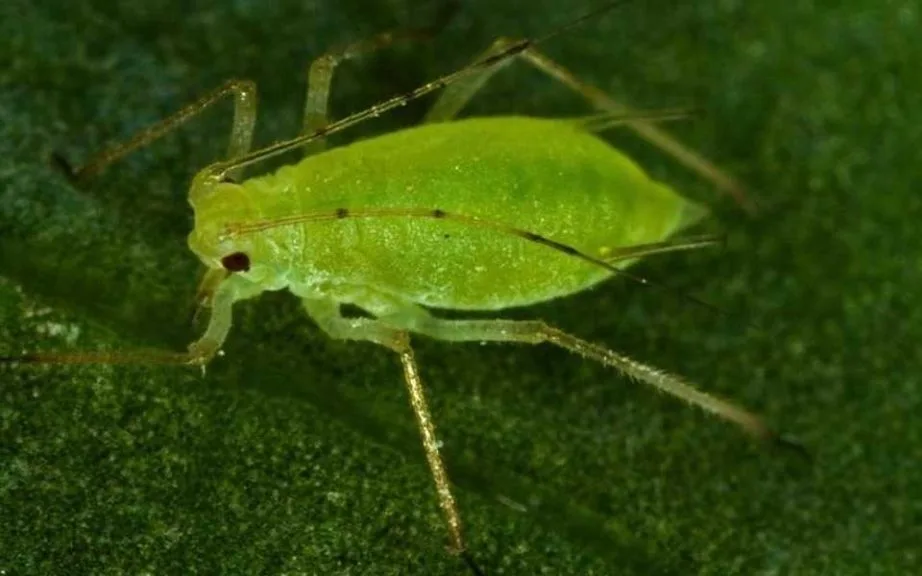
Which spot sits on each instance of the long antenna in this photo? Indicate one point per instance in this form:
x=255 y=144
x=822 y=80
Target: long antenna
x=218 y=171
x=235 y=229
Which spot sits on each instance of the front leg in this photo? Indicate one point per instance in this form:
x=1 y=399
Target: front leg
x=241 y=136
x=222 y=290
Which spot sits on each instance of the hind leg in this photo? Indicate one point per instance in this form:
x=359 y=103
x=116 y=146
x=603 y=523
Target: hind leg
x=454 y=97
x=537 y=332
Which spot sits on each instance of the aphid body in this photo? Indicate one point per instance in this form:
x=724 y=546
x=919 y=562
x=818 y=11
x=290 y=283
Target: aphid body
x=549 y=177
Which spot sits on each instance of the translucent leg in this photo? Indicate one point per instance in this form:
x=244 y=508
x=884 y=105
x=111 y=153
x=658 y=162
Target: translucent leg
x=241 y=136
x=536 y=332
x=326 y=314
x=453 y=98
x=320 y=77
x=221 y=299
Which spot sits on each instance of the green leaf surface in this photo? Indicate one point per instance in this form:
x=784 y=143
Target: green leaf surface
x=296 y=454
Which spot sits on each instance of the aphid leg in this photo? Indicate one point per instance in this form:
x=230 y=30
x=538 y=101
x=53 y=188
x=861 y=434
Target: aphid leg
x=454 y=97
x=241 y=137
x=656 y=136
x=220 y=302
x=320 y=76
x=326 y=314
x=537 y=332
x=204 y=296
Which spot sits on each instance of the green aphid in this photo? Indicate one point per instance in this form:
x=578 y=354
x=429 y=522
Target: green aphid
x=476 y=214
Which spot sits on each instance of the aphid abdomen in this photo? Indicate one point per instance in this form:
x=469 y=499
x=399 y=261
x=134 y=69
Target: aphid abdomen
x=545 y=176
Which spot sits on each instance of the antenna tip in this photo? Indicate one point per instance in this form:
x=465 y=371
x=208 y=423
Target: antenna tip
x=24 y=359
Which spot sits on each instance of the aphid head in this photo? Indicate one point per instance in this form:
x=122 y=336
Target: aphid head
x=215 y=206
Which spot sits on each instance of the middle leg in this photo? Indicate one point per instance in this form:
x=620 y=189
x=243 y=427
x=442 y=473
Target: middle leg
x=320 y=77
x=327 y=315
x=320 y=74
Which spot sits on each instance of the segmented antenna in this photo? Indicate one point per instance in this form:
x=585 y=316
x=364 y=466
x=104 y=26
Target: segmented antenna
x=218 y=171
x=236 y=229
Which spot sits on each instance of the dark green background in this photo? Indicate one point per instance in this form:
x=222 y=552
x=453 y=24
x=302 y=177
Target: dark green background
x=297 y=454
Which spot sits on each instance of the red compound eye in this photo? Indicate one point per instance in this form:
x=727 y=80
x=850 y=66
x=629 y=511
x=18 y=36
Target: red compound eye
x=236 y=262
